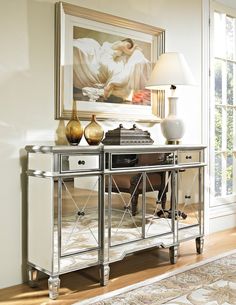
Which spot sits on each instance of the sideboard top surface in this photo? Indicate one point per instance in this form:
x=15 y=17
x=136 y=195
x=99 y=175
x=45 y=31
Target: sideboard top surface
x=109 y=148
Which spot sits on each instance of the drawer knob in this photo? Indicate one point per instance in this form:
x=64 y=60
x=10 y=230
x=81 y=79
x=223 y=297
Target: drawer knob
x=187 y=197
x=188 y=157
x=79 y=213
x=81 y=162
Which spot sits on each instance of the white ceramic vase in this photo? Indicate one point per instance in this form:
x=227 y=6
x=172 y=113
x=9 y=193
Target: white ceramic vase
x=172 y=127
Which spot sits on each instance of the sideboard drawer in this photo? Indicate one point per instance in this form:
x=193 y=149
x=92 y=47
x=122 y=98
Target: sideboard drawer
x=141 y=160
x=78 y=163
x=190 y=156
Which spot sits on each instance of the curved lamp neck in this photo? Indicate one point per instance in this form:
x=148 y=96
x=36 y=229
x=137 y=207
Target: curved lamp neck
x=172 y=105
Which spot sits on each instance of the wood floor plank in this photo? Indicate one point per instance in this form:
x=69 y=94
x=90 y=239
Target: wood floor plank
x=84 y=284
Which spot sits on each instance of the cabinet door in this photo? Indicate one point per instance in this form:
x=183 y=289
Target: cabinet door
x=158 y=216
x=190 y=203
x=123 y=189
x=79 y=215
x=136 y=204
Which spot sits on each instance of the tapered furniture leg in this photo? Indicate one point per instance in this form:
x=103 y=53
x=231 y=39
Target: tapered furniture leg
x=33 y=277
x=173 y=253
x=199 y=244
x=53 y=287
x=104 y=274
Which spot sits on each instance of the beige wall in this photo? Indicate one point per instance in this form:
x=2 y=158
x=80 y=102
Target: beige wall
x=27 y=95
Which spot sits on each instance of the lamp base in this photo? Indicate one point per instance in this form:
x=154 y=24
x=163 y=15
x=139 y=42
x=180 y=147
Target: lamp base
x=172 y=127
x=173 y=142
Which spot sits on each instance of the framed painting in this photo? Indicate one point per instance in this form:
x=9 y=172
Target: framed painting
x=103 y=63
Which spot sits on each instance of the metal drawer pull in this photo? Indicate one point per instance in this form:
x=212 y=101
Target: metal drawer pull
x=79 y=213
x=188 y=157
x=81 y=162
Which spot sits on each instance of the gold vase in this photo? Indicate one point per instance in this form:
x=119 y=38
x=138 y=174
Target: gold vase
x=93 y=132
x=74 y=129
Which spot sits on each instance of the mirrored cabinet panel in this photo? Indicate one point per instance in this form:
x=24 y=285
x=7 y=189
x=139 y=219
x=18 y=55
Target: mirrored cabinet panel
x=190 y=203
x=79 y=219
x=119 y=160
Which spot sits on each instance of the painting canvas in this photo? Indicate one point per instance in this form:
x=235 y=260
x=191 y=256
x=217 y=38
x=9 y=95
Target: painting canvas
x=104 y=63
x=110 y=68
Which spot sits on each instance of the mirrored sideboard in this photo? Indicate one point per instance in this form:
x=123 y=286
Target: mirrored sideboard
x=93 y=205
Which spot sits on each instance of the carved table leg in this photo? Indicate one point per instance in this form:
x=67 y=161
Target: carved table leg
x=199 y=244
x=104 y=274
x=162 y=199
x=173 y=253
x=53 y=287
x=134 y=204
x=33 y=277
x=134 y=192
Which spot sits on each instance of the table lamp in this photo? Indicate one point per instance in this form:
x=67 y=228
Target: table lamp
x=171 y=69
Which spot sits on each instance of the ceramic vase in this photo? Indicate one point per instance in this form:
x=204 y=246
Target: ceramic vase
x=93 y=132
x=172 y=126
x=74 y=129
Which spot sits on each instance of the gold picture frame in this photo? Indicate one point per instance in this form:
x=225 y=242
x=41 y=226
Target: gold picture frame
x=85 y=33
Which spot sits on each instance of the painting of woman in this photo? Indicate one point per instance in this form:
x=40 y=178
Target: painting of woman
x=118 y=69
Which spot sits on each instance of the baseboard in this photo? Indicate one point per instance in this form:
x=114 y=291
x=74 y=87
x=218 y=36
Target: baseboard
x=222 y=217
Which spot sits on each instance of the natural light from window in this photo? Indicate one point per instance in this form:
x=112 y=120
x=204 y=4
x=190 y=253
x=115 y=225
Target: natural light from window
x=224 y=105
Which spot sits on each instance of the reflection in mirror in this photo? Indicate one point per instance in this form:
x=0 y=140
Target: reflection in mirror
x=137 y=209
x=79 y=214
x=190 y=201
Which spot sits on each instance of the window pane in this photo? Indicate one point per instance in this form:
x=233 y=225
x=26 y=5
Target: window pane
x=218 y=81
x=218 y=175
x=230 y=37
x=218 y=128
x=230 y=83
x=229 y=175
x=219 y=35
x=230 y=129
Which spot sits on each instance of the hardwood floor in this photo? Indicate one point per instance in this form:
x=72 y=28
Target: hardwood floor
x=84 y=284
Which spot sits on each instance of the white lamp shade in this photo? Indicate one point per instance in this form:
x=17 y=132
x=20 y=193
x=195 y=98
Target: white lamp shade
x=170 y=69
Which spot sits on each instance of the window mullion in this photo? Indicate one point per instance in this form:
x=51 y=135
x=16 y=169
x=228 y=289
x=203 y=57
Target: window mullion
x=234 y=113
x=224 y=127
x=212 y=130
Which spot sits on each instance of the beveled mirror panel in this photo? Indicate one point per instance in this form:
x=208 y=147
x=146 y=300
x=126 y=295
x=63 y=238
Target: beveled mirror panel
x=79 y=220
x=190 y=203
